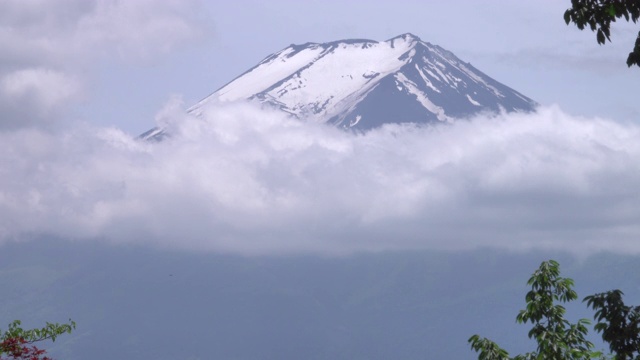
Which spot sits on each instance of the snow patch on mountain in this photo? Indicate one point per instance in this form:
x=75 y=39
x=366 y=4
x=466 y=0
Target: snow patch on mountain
x=413 y=88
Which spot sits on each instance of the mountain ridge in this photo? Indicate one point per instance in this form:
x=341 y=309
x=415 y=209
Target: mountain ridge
x=361 y=84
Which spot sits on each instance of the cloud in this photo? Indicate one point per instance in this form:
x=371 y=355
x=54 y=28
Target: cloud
x=34 y=95
x=248 y=181
x=49 y=45
x=140 y=29
x=75 y=31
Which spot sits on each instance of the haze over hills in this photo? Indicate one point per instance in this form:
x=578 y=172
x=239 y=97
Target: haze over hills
x=362 y=84
x=141 y=303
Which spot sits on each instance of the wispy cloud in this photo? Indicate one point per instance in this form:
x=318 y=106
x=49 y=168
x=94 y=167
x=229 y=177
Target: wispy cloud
x=244 y=180
x=49 y=45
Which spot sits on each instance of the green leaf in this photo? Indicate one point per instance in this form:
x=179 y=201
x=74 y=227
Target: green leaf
x=567 y=17
x=600 y=36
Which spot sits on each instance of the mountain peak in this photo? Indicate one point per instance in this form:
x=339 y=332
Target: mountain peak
x=405 y=40
x=408 y=37
x=363 y=84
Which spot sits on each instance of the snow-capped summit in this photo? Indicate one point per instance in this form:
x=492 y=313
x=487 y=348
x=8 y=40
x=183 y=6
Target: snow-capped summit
x=362 y=84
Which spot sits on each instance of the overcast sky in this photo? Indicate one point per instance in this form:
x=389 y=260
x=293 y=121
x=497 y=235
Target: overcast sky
x=79 y=77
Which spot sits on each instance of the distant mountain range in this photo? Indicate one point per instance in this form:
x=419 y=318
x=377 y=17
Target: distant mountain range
x=362 y=84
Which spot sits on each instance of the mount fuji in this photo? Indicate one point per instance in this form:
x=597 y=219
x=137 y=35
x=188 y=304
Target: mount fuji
x=362 y=84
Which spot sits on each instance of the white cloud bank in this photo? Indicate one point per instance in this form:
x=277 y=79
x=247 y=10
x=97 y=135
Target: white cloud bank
x=247 y=181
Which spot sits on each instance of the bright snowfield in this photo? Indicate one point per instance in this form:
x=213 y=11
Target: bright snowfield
x=365 y=83
x=247 y=180
x=338 y=72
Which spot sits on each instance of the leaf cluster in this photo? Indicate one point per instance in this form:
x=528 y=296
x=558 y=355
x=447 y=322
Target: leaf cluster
x=598 y=16
x=556 y=337
x=49 y=331
x=18 y=349
x=618 y=323
x=17 y=342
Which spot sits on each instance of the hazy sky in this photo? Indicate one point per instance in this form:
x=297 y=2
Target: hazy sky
x=78 y=77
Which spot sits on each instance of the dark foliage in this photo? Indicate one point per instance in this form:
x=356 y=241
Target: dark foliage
x=598 y=16
x=618 y=323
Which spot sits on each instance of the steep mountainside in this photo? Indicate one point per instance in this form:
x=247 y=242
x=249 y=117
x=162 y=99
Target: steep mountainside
x=362 y=84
